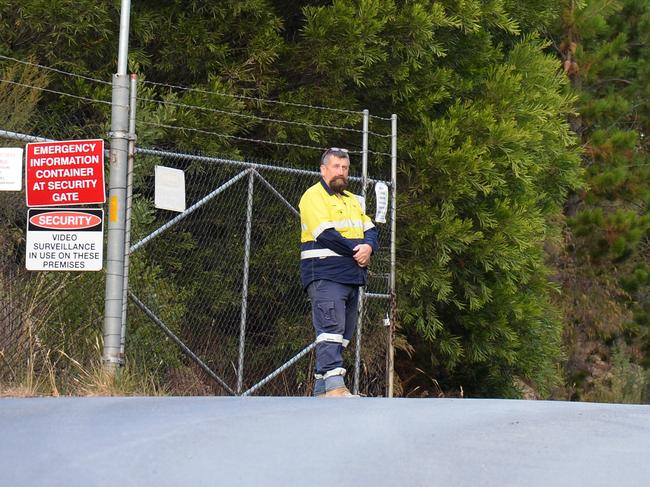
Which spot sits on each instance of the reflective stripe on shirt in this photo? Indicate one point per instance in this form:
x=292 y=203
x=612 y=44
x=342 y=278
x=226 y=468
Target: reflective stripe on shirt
x=318 y=253
x=340 y=225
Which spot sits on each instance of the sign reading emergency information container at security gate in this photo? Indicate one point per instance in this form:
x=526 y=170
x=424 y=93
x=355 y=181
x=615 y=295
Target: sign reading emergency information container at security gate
x=64 y=239
x=65 y=173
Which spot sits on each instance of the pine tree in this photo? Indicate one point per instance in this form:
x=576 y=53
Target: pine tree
x=605 y=47
x=489 y=178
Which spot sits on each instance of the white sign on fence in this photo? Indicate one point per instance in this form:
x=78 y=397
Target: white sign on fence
x=11 y=169
x=64 y=239
x=170 y=189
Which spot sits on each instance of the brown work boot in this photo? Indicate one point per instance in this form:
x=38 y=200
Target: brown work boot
x=339 y=392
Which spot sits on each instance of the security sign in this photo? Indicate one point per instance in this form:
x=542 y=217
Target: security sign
x=65 y=173
x=64 y=239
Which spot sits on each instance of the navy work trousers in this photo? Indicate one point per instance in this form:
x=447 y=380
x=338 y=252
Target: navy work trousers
x=335 y=312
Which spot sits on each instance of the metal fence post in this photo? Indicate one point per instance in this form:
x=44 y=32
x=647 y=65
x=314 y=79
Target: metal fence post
x=116 y=208
x=390 y=355
x=244 y=298
x=364 y=184
x=129 y=200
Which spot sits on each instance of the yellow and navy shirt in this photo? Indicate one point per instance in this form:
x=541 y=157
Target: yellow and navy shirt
x=332 y=225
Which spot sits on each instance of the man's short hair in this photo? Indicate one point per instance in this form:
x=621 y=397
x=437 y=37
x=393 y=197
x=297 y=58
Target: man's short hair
x=336 y=152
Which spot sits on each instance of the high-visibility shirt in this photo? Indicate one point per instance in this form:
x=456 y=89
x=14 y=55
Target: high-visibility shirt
x=331 y=226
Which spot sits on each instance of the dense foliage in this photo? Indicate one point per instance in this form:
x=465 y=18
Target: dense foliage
x=487 y=158
x=604 y=265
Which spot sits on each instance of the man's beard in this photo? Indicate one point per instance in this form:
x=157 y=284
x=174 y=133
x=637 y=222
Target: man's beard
x=338 y=184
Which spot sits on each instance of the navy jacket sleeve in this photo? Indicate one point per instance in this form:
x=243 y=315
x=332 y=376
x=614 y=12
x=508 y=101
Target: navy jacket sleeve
x=333 y=240
x=371 y=237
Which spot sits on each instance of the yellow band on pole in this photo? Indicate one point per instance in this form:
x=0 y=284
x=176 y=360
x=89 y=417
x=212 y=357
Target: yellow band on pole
x=112 y=209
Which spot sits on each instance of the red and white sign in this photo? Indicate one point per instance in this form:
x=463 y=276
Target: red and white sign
x=65 y=173
x=65 y=220
x=64 y=239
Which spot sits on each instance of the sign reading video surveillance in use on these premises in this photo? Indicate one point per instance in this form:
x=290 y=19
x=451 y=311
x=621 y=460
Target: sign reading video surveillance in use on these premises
x=64 y=239
x=65 y=173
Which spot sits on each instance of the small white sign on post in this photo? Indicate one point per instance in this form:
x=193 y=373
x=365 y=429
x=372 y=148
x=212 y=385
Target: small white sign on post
x=64 y=239
x=381 y=196
x=170 y=189
x=11 y=169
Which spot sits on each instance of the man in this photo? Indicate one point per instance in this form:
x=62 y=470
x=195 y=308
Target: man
x=337 y=241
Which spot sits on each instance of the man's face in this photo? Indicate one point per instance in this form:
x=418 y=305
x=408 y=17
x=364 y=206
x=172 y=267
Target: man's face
x=335 y=173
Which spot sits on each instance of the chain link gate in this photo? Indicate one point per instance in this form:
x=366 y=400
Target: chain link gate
x=221 y=282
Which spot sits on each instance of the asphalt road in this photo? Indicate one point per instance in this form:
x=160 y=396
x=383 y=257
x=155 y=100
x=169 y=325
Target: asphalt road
x=216 y=441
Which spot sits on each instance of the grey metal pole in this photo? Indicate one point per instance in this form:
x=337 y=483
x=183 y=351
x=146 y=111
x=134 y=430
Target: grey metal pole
x=364 y=153
x=116 y=200
x=129 y=198
x=390 y=355
x=244 y=297
x=116 y=220
x=123 y=47
x=364 y=184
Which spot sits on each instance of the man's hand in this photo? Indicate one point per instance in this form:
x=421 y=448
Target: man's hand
x=362 y=254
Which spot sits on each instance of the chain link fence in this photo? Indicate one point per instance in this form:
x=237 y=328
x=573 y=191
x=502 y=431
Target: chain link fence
x=222 y=279
x=49 y=321
x=216 y=305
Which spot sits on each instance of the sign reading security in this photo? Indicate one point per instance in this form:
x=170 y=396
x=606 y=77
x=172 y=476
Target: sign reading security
x=65 y=173
x=64 y=239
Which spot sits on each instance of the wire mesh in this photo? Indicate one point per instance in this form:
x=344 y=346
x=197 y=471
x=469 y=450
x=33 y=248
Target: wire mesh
x=193 y=276
x=48 y=320
x=203 y=318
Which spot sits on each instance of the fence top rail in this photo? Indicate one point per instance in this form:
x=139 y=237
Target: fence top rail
x=6 y=134
x=245 y=164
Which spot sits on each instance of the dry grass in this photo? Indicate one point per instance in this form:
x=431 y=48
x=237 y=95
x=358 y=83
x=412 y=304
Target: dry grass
x=80 y=380
x=34 y=381
x=18 y=391
x=99 y=381
x=90 y=382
